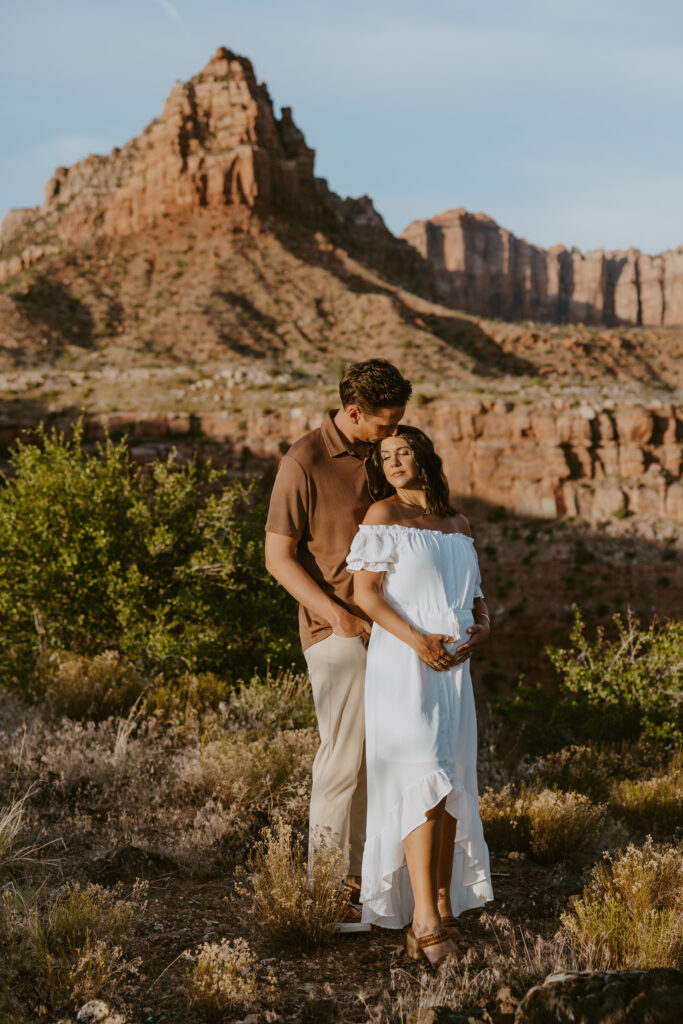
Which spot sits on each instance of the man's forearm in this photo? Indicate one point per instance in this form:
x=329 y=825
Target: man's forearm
x=303 y=589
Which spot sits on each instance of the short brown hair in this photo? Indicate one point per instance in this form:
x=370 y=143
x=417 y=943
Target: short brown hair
x=374 y=384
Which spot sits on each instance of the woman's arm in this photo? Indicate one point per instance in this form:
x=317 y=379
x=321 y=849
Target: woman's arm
x=429 y=646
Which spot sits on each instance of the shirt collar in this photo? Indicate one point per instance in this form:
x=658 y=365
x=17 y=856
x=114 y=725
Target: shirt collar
x=335 y=442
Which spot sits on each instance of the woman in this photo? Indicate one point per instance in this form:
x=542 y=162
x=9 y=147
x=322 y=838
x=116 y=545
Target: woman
x=417 y=578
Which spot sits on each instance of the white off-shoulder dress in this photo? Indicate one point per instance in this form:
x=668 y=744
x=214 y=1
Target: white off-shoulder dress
x=421 y=730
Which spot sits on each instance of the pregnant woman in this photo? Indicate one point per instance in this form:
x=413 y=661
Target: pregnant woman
x=417 y=578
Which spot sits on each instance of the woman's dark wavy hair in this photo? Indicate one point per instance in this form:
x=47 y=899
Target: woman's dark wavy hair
x=429 y=467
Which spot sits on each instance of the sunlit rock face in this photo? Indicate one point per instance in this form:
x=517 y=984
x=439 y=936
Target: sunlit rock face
x=482 y=268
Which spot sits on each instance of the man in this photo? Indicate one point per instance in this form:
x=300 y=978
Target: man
x=319 y=499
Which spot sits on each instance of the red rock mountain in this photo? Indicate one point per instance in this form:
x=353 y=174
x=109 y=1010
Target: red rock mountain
x=484 y=269
x=217 y=144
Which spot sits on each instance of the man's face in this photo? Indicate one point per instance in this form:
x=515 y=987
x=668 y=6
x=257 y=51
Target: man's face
x=374 y=426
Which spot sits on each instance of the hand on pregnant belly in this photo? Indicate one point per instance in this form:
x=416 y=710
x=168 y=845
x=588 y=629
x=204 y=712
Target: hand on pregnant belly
x=430 y=648
x=478 y=635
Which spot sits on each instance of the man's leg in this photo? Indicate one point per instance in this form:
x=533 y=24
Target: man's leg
x=338 y=795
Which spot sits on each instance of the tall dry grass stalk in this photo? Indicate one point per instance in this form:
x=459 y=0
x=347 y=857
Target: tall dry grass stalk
x=292 y=904
x=631 y=912
x=12 y=823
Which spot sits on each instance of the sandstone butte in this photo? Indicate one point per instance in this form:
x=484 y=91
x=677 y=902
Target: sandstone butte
x=484 y=269
x=216 y=144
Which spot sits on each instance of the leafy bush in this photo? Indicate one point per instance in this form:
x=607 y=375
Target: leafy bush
x=627 y=688
x=631 y=912
x=165 y=567
x=546 y=823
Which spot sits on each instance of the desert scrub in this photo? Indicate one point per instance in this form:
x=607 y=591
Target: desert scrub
x=296 y=906
x=82 y=687
x=68 y=943
x=651 y=805
x=631 y=912
x=545 y=823
x=592 y=768
x=224 y=978
x=609 y=690
x=271 y=702
x=164 y=566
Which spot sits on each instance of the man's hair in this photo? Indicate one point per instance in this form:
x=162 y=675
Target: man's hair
x=372 y=385
x=429 y=470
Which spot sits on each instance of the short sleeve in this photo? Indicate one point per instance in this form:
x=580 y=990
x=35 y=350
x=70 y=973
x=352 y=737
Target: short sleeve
x=478 y=592
x=374 y=549
x=288 y=509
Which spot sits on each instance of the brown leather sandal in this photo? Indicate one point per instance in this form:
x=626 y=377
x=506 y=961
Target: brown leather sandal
x=452 y=927
x=435 y=947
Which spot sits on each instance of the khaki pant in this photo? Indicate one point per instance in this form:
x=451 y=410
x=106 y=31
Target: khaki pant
x=338 y=793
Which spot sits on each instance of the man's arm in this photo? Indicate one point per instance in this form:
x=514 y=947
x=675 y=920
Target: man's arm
x=281 y=563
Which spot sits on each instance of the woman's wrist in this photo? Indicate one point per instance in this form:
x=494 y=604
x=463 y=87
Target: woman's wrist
x=482 y=615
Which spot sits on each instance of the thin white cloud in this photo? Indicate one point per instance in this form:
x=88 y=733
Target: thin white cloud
x=172 y=11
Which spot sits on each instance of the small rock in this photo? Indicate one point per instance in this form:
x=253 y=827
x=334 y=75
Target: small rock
x=93 y=1011
x=97 y=1012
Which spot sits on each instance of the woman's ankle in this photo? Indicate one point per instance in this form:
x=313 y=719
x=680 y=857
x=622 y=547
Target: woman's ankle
x=425 y=924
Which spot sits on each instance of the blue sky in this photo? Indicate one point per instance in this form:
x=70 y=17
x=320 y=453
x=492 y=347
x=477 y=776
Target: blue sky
x=563 y=121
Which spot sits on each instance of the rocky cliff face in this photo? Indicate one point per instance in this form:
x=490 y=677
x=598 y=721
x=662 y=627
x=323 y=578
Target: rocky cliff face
x=482 y=268
x=217 y=144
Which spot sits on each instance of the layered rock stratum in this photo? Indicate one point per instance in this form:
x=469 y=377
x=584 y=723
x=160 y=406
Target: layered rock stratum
x=484 y=269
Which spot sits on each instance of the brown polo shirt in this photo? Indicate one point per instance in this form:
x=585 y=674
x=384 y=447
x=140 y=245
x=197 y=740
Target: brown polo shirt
x=320 y=497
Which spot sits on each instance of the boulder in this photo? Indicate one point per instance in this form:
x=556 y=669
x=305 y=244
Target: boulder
x=605 y=997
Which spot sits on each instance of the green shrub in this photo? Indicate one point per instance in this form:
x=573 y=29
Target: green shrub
x=165 y=567
x=626 y=688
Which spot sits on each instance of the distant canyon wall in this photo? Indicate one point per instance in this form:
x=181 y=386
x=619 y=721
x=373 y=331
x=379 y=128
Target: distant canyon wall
x=483 y=269
x=578 y=461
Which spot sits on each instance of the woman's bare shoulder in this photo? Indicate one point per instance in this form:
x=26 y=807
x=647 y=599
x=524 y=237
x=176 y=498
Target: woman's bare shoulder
x=382 y=513
x=461 y=523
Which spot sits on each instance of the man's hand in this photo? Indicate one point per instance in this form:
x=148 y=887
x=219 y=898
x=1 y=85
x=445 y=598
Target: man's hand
x=345 y=624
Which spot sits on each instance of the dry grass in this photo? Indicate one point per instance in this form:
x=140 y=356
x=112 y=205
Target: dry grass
x=631 y=913
x=86 y=688
x=224 y=978
x=592 y=769
x=69 y=940
x=652 y=805
x=292 y=904
x=547 y=824
x=514 y=959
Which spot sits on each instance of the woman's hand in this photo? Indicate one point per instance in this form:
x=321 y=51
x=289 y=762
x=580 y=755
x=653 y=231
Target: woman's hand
x=430 y=648
x=479 y=634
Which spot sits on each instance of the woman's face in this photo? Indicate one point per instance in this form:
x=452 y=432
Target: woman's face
x=397 y=462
